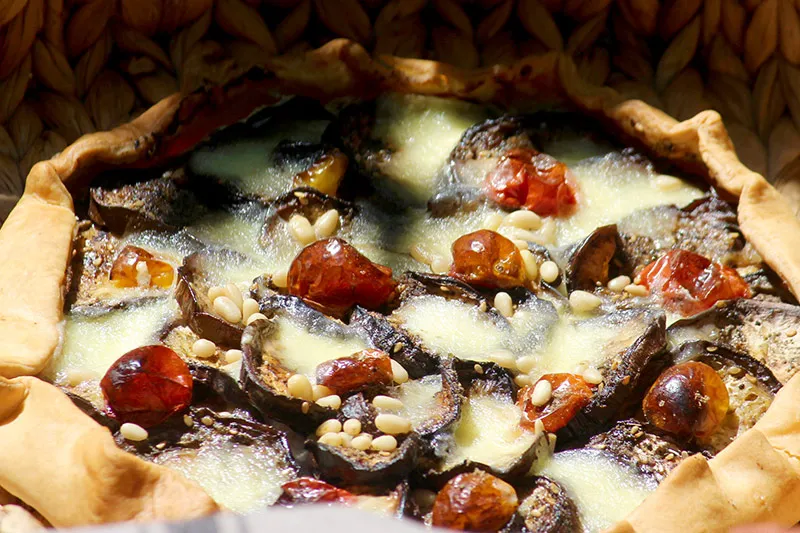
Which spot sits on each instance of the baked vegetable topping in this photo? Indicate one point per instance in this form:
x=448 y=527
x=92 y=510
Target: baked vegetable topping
x=554 y=400
x=487 y=259
x=474 y=501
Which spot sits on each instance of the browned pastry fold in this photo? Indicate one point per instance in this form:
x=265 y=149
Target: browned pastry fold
x=87 y=479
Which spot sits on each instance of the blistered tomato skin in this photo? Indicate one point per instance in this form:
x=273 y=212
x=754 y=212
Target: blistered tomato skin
x=689 y=283
x=325 y=174
x=475 y=501
x=356 y=372
x=488 y=260
x=687 y=400
x=570 y=393
x=124 y=272
x=311 y=490
x=147 y=385
x=527 y=179
x=332 y=275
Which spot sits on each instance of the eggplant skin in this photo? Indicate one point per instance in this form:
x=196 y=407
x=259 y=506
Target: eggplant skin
x=624 y=386
x=592 y=262
x=348 y=466
x=304 y=201
x=549 y=509
x=632 y=442
x=709 y=352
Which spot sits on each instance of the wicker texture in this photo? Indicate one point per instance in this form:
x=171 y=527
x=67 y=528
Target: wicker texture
x=69 y=67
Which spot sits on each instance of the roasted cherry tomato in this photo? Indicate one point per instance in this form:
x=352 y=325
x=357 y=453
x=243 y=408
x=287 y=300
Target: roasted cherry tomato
x=147 y=385
x=126 y=272
x=486 y=259
x=689 y=283
x=311 y=490
x=687 y=400
x=474 y=501
x=332 y=275
x=527 y=179
x=356 y=372
x=569 y=394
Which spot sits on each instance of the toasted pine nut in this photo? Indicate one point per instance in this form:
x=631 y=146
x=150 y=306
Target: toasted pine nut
x=227 y=309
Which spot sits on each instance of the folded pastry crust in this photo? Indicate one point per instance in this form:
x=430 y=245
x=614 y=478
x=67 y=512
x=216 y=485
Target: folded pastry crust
x=88 y=480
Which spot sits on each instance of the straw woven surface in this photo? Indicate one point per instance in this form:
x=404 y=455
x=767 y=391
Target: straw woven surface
x=69 y=67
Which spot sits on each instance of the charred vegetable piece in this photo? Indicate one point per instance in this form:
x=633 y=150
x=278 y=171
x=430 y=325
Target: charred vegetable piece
x=632 y=443
x=687 y=400
x=526 y=178
x=205 y=317
x=305 y=490
x=332 y=275
x=554 y=400
x=751 y=388
x=592 y=262
x=362 y=370
x=127 y=272
x=474 y=501
x=688 y=283
x=766 y=331
x=488 y=260
x=432 y=403
x=136 y=200
x=544 y=507
x=325 y=173
x=147 y=385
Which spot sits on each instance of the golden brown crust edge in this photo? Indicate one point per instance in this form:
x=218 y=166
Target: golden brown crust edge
x=754 y=479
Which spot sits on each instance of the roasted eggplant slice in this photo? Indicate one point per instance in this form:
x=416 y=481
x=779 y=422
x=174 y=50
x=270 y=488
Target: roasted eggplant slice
x=432 y=403
x=402 y=141
x=596 y=259
x=751 y=388
x=603 y=488
x=136 y=200
x=544 y=507
x=294 y=340
x=196 y=307
x=766 y=331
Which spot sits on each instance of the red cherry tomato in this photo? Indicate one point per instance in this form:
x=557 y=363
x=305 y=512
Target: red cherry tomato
x=527 y=179
x=147 y=385
x=689 y=283
x=311 y=490
x=570 y=393
x=334 y=276
x=485 y=258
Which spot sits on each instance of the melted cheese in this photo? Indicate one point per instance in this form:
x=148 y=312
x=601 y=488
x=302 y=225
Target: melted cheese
x=242 y=478
x=301 y=350
x=489 y=433
x=612 y=187
x=248 y=164
x=92 y=343
x=419 y=399
x=421 y=131
x=603 y=490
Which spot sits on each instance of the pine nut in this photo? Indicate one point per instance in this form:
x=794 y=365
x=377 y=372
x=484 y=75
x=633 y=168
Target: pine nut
x=523 y=219
x=280 y=279
x=549 y=271
x=666 y=183
x=255 y=316
x=215 y=292
x=526 y=364
x=133 y=432
x=504 y=358
x=331 y=439
x=227 y=309
x=326 y=224
x=77 y=376
x=384 y=443
x=204 y=348
x=233 y=356
x=333 y=401
x=399 y=373
x=320 y=391
x=420 y=254
x=504 y=304
x=329 y=426
x=346 y=439
x=636 y=290
x=249 y=308
x=547 y=233
x=392 y=424
x=619 y=283
x=299 y=387
x=522 y=380
x=387 y=402
x=515 y=233
x=305 y=407
x=142 y=274
x=361 y=442
x=531 y=268
x=440 y=265
x=187 y=420
x=593 y=376
x=492 y=221
x=520 y=244
x=352 y=426
x=584 y=302
x=538 y=426
x=235 y=294
x=542 y=392
x=301 y=229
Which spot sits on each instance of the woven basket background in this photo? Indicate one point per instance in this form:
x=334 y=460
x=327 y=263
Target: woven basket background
x=69 y=67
